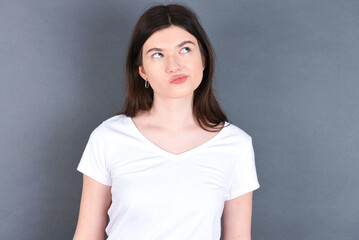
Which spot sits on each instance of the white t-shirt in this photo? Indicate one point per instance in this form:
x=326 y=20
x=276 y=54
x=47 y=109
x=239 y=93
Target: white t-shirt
x=161 y=195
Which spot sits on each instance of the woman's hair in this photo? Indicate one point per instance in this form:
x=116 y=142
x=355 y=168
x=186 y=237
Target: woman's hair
x=206 y=109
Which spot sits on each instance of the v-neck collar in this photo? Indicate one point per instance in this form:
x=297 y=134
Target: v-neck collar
x=169 y=154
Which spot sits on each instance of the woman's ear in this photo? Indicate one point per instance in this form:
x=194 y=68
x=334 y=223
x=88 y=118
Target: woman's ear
x=204 y=62
x=142 y=72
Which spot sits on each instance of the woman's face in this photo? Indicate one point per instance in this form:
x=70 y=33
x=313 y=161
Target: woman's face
x=169 y=54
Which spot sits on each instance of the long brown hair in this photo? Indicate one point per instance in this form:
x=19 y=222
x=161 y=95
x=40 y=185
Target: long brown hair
x=206 y=109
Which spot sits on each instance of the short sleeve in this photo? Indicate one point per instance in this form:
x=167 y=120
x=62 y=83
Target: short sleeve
x=244 y=178
x=93 y=160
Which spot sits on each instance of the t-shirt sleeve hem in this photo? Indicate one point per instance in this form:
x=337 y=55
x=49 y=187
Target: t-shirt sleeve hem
x=242 y=191
x=94 y=176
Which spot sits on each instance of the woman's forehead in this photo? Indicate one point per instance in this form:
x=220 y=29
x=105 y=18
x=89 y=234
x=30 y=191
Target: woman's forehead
x=169 y=37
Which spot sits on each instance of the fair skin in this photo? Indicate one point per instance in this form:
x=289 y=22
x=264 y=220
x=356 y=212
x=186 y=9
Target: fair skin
x=169 y=124
x=237 y=216
x=167 y=53
x=95 y=201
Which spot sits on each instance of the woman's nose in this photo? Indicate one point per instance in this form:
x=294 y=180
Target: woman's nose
x=172 y=64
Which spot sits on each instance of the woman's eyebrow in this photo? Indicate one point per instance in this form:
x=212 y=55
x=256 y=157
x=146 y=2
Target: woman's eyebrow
x=154 y=49
x=179 y=45
x=184 y=43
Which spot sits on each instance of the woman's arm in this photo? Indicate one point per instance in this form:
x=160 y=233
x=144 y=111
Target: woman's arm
x=237 y=216
x=95 y=201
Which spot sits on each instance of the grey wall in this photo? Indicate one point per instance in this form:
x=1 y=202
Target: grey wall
x=287 y=73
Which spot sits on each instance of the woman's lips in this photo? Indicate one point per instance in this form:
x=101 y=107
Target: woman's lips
x=178 y=78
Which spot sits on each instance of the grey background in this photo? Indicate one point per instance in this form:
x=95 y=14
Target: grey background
x=287 y=74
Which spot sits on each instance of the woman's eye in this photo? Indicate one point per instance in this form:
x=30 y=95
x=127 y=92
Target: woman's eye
x=157 y=55
x=185 y=49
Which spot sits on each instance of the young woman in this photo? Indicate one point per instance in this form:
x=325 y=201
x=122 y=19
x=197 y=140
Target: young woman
x=170 y=165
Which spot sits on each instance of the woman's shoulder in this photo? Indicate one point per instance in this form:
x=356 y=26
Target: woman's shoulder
x=236 y=133
x=119 y=119
x=113 y=124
